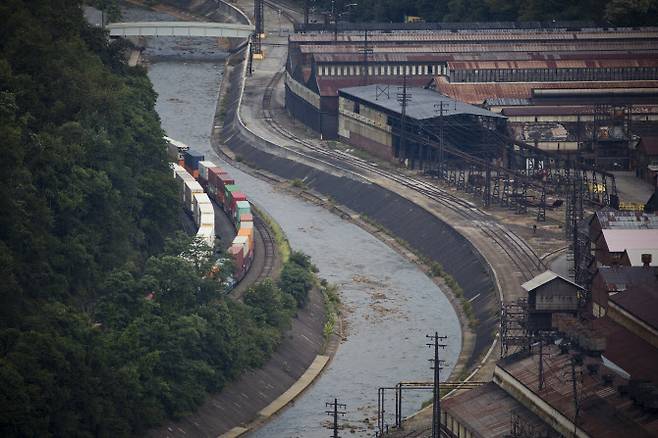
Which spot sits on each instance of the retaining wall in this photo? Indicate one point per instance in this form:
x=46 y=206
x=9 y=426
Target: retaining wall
x=427 y=234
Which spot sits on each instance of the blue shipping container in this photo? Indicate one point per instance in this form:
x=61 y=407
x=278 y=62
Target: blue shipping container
x=192 y=159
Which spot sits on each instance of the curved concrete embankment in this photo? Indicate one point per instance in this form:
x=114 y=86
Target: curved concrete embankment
x=298 y=360
x=427 y=234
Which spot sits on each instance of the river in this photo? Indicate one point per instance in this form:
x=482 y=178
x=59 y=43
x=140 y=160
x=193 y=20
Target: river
x=390 y=305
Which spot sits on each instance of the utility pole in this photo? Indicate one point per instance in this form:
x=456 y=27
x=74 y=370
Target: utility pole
x=436 y=400
x=438 y=107
x=366 y=51
x=259 y=27
x=403 y=98
x=334 y=14
x=541 y=364
x=337 y=409
x=338 y=10
x=306 y=10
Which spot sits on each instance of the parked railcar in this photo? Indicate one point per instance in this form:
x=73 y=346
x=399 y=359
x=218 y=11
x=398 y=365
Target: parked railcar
x=199 y=181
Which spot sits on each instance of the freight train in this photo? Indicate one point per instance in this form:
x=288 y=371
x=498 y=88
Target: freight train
x=201 y=181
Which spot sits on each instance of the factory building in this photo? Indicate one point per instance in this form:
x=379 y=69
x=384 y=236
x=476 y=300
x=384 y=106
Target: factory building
x=567 y=89
x=586 y=375
x=370 y=117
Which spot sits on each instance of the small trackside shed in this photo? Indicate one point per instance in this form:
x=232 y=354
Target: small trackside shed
x=550 y=293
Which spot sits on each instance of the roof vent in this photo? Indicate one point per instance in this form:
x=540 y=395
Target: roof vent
x=646 y=260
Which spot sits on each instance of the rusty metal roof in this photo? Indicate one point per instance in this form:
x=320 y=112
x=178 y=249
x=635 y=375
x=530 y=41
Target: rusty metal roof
x=478 y=92
x=553 y=64
x=505 y=35
x=487 y=412
x=603 y=412
x=627 y=350
x=621 y=278
x=543 y=110
x=564 y=47
x=640 y=296
x=376 y=57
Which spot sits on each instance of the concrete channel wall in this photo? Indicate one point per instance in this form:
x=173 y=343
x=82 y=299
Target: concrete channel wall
x=427 y=234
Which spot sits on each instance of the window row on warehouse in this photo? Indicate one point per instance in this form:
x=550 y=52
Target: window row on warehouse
x=382 y=70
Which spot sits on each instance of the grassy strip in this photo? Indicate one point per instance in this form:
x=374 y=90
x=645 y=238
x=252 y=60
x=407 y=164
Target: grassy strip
x=435 y=270
x=283 y=246
x=332 y=309
x=298 y=183
x=223 y=106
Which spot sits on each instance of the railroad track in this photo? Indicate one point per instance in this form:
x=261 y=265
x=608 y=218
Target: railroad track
x=285 y=10
x=269 y=245
x=515 y=248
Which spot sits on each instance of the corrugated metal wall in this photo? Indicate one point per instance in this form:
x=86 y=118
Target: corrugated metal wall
x=321 y=121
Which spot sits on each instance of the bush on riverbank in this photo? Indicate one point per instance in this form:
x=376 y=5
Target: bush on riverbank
x=297 y=277
x=332 y=309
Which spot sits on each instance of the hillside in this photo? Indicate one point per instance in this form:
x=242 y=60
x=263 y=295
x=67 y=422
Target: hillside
x=616 y=12
x=104 y=329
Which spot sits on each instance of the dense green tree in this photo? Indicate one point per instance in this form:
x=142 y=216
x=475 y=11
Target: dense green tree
x=617 y=12
x=632 y=12
x=110 y=321
x=296 y=278
x=271 y=306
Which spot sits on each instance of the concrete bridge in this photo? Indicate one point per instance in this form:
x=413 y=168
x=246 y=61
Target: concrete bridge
x=180 y=28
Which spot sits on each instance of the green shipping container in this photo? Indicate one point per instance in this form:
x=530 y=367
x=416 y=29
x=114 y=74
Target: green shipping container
x=228 y=192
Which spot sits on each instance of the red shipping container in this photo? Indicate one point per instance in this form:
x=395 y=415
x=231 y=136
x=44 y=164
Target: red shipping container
x=213 y=181
x=246 y=217
x=226 y=179
x=237 y=196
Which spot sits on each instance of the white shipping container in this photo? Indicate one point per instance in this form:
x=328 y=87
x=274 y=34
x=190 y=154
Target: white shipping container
x=207 y=218
x=191 y=187
x=205 y=209
x=203 y=168
x=180 y=182
x=183 y=175
x=198 y=200
x=207 y=233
